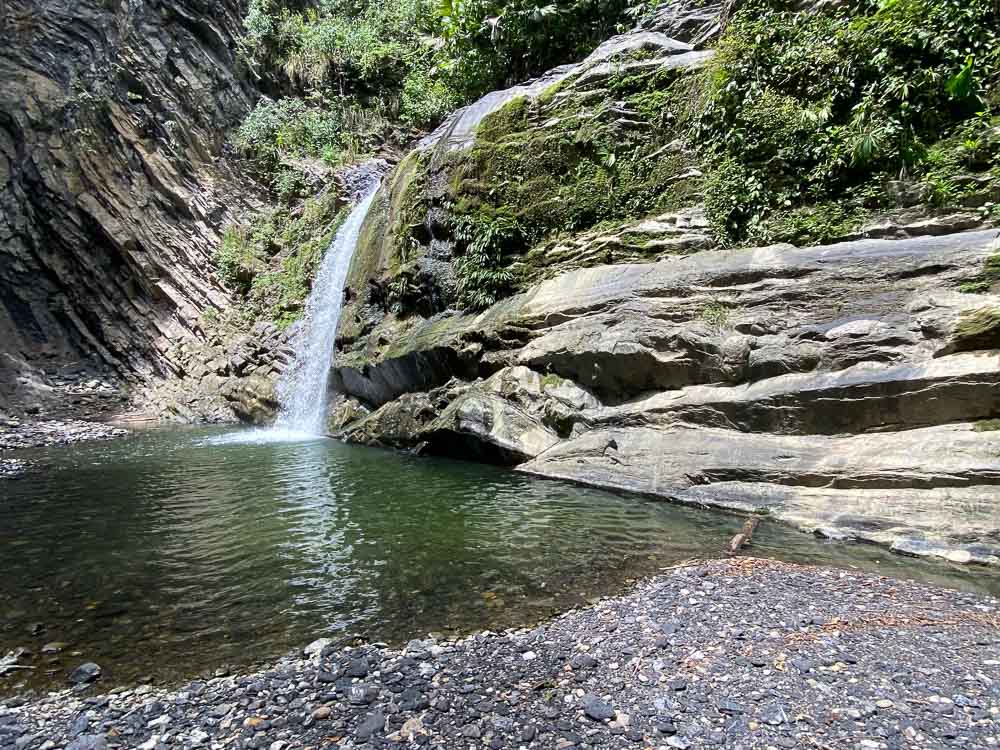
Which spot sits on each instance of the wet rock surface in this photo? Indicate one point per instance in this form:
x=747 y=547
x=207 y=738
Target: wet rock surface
x=229 y=375
x=741 y=653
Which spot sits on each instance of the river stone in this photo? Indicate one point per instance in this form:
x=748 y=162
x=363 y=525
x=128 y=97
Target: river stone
x=597 y=709
x=89 y=742
x=357 y=667
x=86 y=672
x=316 y=648
x=372 y=724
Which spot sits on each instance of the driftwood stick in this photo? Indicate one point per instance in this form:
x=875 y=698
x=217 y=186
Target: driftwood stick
x=743 y=538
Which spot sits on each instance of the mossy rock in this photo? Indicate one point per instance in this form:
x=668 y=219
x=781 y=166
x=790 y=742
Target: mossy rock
x=977 y=329
x=571 y=157
x=986 y=281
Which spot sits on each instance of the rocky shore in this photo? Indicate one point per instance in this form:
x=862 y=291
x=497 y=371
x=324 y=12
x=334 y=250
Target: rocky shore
x=741 y=653
x=16 y=434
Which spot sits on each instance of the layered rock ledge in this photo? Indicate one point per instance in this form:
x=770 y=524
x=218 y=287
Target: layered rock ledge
x=742 y=653
x=849 y=389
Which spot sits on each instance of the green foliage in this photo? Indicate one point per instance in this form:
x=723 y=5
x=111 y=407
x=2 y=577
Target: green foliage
x=965 y=164
x=489 y=44
x=808 y=106
x=716 y=314
x=805 y=225
x=237 y=259
x=271 y=263
x=404 y=61
x=336 y=131
x=484 y=276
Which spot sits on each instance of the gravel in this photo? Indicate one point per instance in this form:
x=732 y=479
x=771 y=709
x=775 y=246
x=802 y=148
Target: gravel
x=16 y=434
x=739 y=653
x=13 y=468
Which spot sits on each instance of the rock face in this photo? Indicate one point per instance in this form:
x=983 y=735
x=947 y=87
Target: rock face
x=844 y=389
x=833 y=387
x=848 y=389
x=534 y=154
x=113 y=183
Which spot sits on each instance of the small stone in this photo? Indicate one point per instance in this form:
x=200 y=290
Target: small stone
x=773 y=715
x=160 y=722
x=86 y=672
x=358 y=667
x=79 y=725
x=731 y=707
x=89 y=742
x=597 y=709
x=321 y=713
x=221 y=710
x=374 y=722
x=803 y=665
x=316 y=647
x=884 y=703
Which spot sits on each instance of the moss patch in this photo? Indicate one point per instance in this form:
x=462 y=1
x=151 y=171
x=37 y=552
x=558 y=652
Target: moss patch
x=987 y=280
x=977 y=329
x=554 y=164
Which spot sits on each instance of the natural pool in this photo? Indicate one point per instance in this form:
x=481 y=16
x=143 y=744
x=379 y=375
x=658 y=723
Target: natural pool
x=167 y=556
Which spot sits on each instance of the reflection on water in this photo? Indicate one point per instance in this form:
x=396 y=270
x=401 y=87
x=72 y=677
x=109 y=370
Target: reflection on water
x=180 y=551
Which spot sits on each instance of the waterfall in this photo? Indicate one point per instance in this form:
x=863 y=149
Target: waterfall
x=302 y=388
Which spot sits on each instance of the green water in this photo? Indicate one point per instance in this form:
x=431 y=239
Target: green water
x=169 y=557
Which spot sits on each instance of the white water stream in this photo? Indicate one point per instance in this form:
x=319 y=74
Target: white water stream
x=302 y=390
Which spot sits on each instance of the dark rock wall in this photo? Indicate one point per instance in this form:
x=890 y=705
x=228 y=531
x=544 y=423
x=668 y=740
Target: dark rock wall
x=114 y=185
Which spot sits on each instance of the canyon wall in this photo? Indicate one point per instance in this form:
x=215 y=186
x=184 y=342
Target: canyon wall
x=114 y=182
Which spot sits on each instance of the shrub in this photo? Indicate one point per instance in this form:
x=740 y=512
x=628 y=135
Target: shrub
x=805 y=106
x=236 y=260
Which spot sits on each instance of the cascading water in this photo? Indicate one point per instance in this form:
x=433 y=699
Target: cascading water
x=302 y=389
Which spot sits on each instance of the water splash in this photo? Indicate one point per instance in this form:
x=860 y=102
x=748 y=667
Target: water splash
x=302 y=391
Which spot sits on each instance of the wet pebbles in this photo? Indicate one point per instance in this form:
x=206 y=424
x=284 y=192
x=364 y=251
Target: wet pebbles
x=739 y=654
x=39 y=433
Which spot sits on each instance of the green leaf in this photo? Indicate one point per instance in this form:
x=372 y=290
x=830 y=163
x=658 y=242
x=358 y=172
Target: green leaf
x=960 y=85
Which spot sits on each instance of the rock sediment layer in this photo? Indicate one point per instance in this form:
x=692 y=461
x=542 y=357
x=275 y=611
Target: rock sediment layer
x=113 y=185
x=834 y=387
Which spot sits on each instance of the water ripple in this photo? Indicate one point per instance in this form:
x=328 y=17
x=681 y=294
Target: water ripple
x=177 y=551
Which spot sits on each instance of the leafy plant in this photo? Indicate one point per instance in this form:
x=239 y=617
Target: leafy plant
x=808 y=106
x=236 y=260
x=483 y=274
